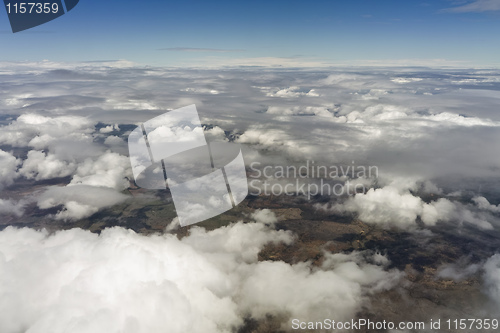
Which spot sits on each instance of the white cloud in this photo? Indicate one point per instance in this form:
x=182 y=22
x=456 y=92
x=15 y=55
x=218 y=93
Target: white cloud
x=215 y=134
x=78 y=201
x=313 y=93
x=113 y=140
x=201 y=91
x=205 y=282
x=8 y=168
x=385 y=206
x=300 y=111
x=492 y=277
x=483 y=203
x=338 y=287
x=39 y=166
x=108 y=170
x=395 y=206
x=110 y=128
x=289 y=92
x=406 y=79
x=265 y=216
x=40 y=132
x=9 y=207
x=131 y=104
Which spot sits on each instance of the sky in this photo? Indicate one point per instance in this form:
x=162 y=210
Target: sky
x=294 y=33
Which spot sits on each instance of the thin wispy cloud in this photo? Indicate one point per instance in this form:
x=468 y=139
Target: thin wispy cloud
x=477 y=6
x=196 y=49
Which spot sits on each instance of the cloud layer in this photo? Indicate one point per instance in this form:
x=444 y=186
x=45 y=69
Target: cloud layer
x=206 y=282
x=433 y=134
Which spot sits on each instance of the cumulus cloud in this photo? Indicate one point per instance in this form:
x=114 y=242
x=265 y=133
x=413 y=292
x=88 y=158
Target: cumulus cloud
x=338 y=287
x=113 y=140
x=291 y=92
x=69 y=150
x=110 y=128
x=9 y=207
x=39 y=165
x=8 y=169
x=390 y=207
x=95 y=183
x=214 y=133
x=483 y=203
x=78 y=201
x=299 y=111
x=205 y=282
x=265 y=216
x=40 y=132
x=492 y=277
x=406 y=79
x=396 y=206
x=108 y=170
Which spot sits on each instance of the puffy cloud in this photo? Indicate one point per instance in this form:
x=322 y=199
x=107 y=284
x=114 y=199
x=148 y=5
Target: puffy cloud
x=39 y=165
x=483 y=203
x=276 y=140
x=452 y=119
x=8 y=168
x=215 y=133
x=338 y=287
x=113 y=140
x=299 y=111
x=108 y=170
x=40 y=132
x=406 y=79
x=395 y=206
x=202 y=91
x=110 y=128
x=205 y=282
x=78 y=201
x=385 y=206
x=492 y=277
x=9 y=207
x=287 y=92
x=313 y=93
x=266 y=216
x=131 y=104
x=346 y=80
x=95 y=183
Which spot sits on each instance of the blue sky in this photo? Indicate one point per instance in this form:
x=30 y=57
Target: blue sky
x=199 y=33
